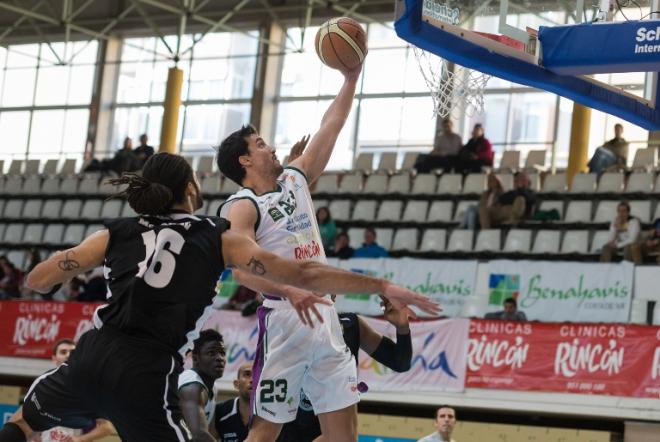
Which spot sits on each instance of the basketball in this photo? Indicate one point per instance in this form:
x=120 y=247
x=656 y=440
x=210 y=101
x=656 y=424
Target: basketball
x=341 y=43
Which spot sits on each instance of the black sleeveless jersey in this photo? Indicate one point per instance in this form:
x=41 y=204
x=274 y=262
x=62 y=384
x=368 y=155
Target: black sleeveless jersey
x=228 y=422
x=306 y=427
x=161 y=274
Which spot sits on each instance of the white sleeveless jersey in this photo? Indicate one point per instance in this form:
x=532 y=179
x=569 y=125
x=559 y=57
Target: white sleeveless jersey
x=286 y=221
x=190 y=376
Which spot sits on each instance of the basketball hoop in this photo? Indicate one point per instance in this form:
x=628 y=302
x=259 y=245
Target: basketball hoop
x=455 y=90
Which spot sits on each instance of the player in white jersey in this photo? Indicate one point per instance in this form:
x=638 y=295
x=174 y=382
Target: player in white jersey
x=275 y=208
x=196 y=383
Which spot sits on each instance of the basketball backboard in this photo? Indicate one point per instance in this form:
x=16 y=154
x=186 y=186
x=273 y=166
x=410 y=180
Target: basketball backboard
x=526 y=42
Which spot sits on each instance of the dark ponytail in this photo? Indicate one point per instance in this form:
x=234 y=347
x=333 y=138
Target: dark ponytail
x=162 y=184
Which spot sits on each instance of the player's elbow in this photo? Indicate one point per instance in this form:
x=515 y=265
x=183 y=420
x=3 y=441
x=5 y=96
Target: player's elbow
x=401 y=365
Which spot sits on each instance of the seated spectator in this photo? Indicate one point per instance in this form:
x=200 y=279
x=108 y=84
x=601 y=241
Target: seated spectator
x=444 y=154
x=125 y=159
x=511 y=207
x=327 y=228
x=342 y=248
x=477 y=153
x=649 y=245
x=510 y=312
x=11 y=279
x=612 y=156
x=370 y=248
x=143 y=151
x=488 y=199
x=624 y=232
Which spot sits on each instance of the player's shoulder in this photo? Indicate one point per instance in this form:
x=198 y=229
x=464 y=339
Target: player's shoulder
x=189 y=377
x=225 y=410
x=290 y=171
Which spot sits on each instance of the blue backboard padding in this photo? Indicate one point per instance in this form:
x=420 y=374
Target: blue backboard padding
x=599 y=48
x=411 y=28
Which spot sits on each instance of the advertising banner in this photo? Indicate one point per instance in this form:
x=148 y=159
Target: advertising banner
x=563 y=291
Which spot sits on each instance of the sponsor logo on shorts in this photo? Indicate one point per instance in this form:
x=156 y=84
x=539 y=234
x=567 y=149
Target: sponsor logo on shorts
x=305 y=403
x=272 y=413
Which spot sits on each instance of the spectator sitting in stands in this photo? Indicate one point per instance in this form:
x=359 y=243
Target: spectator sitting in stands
x=143 y=151
x=445 y=152
x=511 y=207
x=11 y=279
x=327 y=228
x=125 y=159
x=477 y=153
x=510 y=312
x=370 y=248
x=488 y=199
x=342 y=249
x=649 y=245
x=612 y=156
x=624 y=232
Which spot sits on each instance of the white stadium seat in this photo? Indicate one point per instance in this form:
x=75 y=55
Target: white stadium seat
x=50 y=185
x=355 y=237
x=111 y=208
x=640 y=182
x=510 y=160
x=71 y=209
x=327 y=183
x=399 y=184
x=578 y=212
x=605 y=212
x=405 y=239
x=433 y=240
x=461 y=208
x=387 y=161
x=554 y=183
x=350 y=183
x=599 y=240
x=384 y=238
x=32 y=209
x=546 y=241
x=424 y=184
x=440 y=211
x=91 y=209
x=340 y=209
x=89 y=184
x=415 y=211
x=13 y=209
x=641 y=209
x=584 y=183
x=364 y=162
x=390 y=211
x=575 y=241
x=364 y=210
x=376 y=184
x=518 y=240
x=73 y=233
x=488 y=240
x=474 y=183
x=33 y=233
x=14 y=233
x=450 y=183
x=31 y=185
x=211 y=184
x=53 y=234
x=51 y=209
x=611 y=182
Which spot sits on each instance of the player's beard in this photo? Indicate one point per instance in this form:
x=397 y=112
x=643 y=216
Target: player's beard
x=278 y=169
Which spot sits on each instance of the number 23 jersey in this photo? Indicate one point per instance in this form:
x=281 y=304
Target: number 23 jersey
x=161 y=274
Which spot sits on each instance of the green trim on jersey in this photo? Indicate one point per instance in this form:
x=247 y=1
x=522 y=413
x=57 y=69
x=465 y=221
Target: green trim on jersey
x=279 y=189
x=256 y=207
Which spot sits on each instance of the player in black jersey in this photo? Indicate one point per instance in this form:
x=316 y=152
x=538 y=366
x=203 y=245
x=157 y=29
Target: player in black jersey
x=161 y=268
x=232 y=416
x=358 y=335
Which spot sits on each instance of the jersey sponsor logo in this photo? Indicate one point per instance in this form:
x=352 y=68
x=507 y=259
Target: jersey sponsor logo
x=307 y=251
x=289 y=205
x=272 y=413
x=275 y=213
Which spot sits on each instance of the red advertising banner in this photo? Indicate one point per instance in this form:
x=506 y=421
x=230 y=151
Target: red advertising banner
x=611 y=359
x=30 y=328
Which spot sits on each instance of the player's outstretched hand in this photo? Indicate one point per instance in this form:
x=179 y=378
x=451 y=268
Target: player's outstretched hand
x=304 y=302
x=397 y=317
x=401 y=297
x=298 y=148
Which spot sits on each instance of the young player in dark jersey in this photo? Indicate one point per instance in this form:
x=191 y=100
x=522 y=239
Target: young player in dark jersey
x=358 y=335
x=196 y=383
x=161 y=267
x=232 y=417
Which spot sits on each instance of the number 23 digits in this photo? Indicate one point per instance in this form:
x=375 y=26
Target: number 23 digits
x=273 y=391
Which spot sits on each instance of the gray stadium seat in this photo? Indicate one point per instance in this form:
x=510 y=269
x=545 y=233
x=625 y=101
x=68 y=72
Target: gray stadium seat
x=13 y=185
x=89 y=184
x=409 y=160
x=50 y=168
x=32 y=209
x=641 y=209
x=474 y=183
x=31 y=167
x=71 y=209
x=2 y=209
x=554 y=183
x=460 y=241
x=599 y=240
x=69 y=185
x=399 y=184
x=111 y=208
x=105 y=188
x=450 y=183
x=433 y=240
x=640 y=182
x=364 y=162
x=13 y=208
x=461 y=207
x=73 y=234
x=405 y=239
x=424 y=184
x=327 y=183
x=14 y=233
x=535 y=159
x=384 y=238
x=364 y=210
x=15 y=167
x=93 y=228
x=205 y=164
x=350 y=183
x=50 y=185
x=228 y=186
x=584 y=183
x=510 y=160
x=507 y=181
x=390 y=211
x=211 y=184
x=51 y=209
x=488 y=240
x=340 y=209
x=91 y=209
x=518 y=240
x=31 y=185
x=3 y=227
x=645 y=158
x=556 y=205
x=387 y=161
x=213 y=206
x=610 y=182
x=53 y=234
x=33 y=233
x=575 y=241
x=440 y=211
x=578 y=212
x=376 y=184
x=605 y=212
x=415 y=211
x=69 y=167
x=319 y=203
x=355 y=237
x=127 y=211
x=546 y=241
x=16 y=257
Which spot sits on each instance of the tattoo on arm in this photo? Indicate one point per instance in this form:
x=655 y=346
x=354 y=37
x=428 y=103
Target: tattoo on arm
x=68 y=264
x=256 y=266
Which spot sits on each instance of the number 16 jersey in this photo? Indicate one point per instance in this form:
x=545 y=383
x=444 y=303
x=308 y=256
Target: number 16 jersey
x=161 y=274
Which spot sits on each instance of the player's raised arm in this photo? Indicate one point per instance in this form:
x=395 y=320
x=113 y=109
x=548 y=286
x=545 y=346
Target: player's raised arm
x=318 y=152
x=240 y=251
x=64 y=265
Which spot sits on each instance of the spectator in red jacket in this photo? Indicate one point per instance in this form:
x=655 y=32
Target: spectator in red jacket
x=477 y=153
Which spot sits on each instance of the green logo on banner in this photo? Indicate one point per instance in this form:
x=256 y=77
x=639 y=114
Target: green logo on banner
x=502 y=286
x=227 y=285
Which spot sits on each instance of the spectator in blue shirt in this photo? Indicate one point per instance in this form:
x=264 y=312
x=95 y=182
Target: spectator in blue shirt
x=370 y=248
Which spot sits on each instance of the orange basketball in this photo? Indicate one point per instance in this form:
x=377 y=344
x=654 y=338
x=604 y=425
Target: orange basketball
x=341 y=43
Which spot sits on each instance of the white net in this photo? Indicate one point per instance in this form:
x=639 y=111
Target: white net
x=455 y=90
